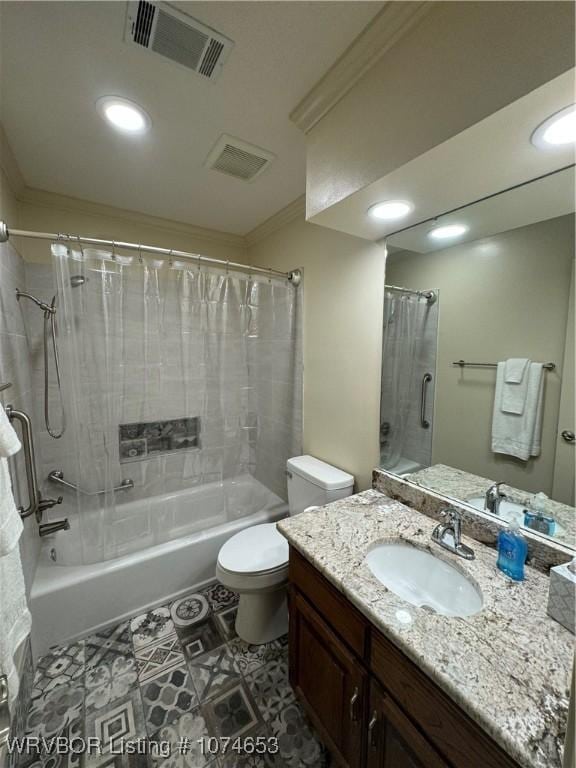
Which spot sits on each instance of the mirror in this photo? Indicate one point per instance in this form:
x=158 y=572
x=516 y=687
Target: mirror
x=478 y=355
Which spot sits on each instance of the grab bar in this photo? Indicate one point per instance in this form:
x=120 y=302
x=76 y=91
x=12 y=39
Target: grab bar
x=425 y=381
x=57 y=476
x=30 y=462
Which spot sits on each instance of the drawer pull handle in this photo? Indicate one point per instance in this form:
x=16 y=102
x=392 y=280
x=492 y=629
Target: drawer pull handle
x=353 y=701
x=372 y=732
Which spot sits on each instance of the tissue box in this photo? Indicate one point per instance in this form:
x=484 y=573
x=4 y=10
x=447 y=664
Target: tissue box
x=562 y=595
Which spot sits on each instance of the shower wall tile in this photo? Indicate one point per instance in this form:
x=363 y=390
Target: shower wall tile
x=15 y=367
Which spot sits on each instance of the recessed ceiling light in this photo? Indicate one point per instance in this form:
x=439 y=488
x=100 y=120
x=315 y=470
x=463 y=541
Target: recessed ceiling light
x=123 y=114
x=390 y=210
x=558 y=130
x=448 y=231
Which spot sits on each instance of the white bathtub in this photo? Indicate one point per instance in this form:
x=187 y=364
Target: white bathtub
x=70 y=601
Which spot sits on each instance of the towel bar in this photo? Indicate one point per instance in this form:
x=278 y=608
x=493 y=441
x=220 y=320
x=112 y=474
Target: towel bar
x=464 y=364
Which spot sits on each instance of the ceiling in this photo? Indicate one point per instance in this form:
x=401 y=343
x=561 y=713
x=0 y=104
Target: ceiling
x=541 y=199
x=59 y=57
x=490 y=156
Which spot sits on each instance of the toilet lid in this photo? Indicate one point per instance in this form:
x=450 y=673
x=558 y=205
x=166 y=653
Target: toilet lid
x=255 y=549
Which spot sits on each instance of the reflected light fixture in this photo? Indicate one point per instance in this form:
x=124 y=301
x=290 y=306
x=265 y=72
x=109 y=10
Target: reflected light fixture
x=390 y=210
x=123 y=114
x=447 y=231
x=558 y=130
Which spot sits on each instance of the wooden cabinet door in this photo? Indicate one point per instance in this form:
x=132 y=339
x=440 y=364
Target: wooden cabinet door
x=328 y=680
x=393 y=740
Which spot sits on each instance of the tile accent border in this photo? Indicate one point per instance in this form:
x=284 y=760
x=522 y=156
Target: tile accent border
x=542 y=553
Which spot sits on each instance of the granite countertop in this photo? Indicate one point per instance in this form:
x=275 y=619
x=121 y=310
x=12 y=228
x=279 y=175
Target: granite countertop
x=463 y=485
x=508 y=666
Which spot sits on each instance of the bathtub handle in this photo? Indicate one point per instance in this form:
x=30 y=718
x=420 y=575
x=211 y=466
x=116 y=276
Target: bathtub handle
x=57 y=476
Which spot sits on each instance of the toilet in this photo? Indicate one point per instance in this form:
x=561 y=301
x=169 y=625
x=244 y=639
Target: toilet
x=254 y=562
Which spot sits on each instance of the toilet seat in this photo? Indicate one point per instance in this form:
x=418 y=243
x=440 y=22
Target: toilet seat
x=255 y=551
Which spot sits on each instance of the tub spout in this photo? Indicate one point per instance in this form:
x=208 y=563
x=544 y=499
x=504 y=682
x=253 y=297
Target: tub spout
x=46 y=529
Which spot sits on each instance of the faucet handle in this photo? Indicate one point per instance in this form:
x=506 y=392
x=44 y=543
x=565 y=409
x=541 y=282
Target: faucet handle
x=451 y=513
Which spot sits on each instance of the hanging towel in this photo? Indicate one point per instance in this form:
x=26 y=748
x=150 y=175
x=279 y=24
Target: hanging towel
x=519 y=434
x=15 y=620
x=515 y=385
x=10 y=521
x=9 y=443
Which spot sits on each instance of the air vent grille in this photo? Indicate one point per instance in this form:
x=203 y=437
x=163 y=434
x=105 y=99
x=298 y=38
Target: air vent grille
x=176 y=36
x=238 y=158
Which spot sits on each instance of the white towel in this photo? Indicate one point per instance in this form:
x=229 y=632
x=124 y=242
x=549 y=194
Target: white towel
x=515 y=434
x=15 y=619
x=515 y=387
x=10 y=521
x=9 y=443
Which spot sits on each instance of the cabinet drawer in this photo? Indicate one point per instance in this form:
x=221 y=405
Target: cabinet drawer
x=348 y=623
x=445 y=725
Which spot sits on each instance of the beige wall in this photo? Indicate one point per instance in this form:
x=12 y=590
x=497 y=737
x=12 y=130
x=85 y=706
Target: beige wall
x=502 y=296
x=47 y=212
x=411 y=100
x=343 y=292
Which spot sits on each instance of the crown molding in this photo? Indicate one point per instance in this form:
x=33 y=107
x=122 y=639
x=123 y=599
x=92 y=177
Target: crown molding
x=42 y=198
x=394 y=21
x=9 y=165
x=294 y=210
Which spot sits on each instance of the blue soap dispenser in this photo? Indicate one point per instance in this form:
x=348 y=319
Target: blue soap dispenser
x=512 y=551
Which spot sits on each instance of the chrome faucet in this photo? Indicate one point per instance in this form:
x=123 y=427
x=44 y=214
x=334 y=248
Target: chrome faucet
x=449 y=534
x=493 y=498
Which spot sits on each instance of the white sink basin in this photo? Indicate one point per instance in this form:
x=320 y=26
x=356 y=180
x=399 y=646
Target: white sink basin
x=424 y=580
x=509 y=511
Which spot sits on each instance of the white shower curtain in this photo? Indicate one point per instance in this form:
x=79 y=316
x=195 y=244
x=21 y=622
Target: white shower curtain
x=146 y=341
x=404 y=316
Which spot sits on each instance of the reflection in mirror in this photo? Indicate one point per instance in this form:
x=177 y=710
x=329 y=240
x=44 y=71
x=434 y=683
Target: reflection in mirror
x=477 y=398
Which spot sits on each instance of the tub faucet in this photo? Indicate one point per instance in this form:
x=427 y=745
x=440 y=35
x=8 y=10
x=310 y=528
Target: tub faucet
x=46 y=529
x=449 y=534
x=493 y=498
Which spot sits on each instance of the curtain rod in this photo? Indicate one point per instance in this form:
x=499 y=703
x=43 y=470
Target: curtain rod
x=430 y=296
x=294 y=276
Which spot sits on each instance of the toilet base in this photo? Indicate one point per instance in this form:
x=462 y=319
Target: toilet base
x=262 y=616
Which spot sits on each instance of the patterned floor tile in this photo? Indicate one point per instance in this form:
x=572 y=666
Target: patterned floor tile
x=220 y=596
x=60 y=666
x=122 y=722
x=167 y=697
x=226 y=622
x=184 y=737
x=55 y=710
x=159 y=657
x=298 y=746
x=271 y=688
x=249 y=657
x=108 y=644
x=200 y=638
x=109 y=681
x=190 y=610
x=233 y=713
x=213 y=672
x=151 y=626
x=37 y=757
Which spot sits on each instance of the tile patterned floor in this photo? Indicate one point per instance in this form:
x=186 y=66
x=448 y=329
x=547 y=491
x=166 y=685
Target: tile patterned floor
x=176 y=673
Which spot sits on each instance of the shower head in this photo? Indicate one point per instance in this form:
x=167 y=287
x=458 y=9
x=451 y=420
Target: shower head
x=77 y=280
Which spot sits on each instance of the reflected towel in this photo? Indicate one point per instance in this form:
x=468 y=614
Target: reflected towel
x=515 y=387
x=9 y=443
x=516 y=434
x=10 y=521
x=15 y=619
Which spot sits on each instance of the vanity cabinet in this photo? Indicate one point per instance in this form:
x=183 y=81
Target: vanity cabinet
x=371 y=705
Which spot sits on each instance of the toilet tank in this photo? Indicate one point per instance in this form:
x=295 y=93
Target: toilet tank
x=312 y=482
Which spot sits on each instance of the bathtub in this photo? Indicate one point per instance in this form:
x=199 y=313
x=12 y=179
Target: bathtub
x=71 y=601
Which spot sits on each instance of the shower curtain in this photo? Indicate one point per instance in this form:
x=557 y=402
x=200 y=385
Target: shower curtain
x=174 y=376
x=404 y=318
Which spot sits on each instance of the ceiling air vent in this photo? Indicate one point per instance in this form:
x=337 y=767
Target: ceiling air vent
x=238 y=158
x=177 y=36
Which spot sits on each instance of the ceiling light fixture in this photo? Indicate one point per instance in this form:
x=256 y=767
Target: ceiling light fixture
x=558 y=130
x=124 y=115
x=390 y=210
x=447 y=231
